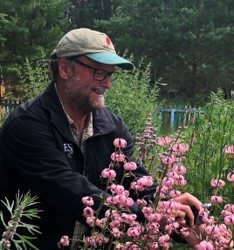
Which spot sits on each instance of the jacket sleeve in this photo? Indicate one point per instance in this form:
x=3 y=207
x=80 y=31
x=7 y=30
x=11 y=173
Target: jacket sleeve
x=31 y=154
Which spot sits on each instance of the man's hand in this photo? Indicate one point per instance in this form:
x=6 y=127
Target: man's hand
x=187 y=201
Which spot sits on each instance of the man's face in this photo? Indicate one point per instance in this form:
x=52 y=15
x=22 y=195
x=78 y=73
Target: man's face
x=81 y=89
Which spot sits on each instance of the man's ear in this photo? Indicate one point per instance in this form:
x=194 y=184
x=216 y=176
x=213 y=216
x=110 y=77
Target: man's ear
x=63 y=68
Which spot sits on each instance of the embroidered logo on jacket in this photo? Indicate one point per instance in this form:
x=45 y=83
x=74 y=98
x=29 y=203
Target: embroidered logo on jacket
x=68 y=148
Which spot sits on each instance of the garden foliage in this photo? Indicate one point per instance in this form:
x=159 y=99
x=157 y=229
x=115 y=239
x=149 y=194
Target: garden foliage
x=133 y=98
x=20 y=210
x=35 y=78
x=122 y=228
x=200 y=156
x=212 y=131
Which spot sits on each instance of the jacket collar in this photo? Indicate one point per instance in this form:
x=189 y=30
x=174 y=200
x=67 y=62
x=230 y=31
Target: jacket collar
x=102 y=121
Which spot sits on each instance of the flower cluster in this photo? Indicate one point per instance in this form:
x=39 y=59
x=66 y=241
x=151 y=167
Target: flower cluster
x=219 y=231
x=120 y=226
x=123 y=228
x=218 y=234
x=145 y=142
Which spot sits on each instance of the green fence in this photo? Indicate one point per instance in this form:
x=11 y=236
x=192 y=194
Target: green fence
x=174 y=117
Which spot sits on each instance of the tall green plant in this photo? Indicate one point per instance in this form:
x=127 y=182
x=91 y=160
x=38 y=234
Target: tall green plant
x=213 y=130
x=35 y=78
x=133 y=98
x=19 y=210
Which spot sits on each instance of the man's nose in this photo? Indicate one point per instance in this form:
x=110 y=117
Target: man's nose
x=107 y=83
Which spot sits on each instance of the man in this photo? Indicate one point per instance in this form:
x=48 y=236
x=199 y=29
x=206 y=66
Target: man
x=56 y=145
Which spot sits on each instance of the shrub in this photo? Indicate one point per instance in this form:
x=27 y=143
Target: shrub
x=133 y=98
x=35 y=78
x=213 y=130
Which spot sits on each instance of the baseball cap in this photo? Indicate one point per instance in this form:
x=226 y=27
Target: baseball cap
x=93 y=44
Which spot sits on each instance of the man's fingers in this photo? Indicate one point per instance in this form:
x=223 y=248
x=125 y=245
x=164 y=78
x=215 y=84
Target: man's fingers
x=188 y=199
x=187 y=210
x=192 y=239
x=182 y=223
x=180 y=215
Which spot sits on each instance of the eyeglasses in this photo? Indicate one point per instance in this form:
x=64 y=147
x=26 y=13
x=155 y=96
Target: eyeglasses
x=99 y=74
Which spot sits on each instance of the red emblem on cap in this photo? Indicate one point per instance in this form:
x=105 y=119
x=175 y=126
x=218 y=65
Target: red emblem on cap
x=108 y=41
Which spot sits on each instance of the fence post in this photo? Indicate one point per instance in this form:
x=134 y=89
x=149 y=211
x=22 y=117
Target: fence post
x=172 y=117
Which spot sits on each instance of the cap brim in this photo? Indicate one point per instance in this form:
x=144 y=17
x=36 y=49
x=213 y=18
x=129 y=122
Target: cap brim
x=112 y=59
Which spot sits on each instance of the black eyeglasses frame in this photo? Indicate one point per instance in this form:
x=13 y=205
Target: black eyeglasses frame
x=102 y=74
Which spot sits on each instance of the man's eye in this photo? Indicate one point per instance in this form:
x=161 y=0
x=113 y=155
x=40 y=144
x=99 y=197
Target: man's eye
x=100 y=73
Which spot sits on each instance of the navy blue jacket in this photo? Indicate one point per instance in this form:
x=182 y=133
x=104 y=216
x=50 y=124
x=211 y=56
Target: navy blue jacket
x=39 y=153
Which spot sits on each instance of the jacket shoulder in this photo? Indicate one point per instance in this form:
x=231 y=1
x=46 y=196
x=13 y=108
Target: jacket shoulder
x=106 y=121
x=30 y=109
x=110 y=115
